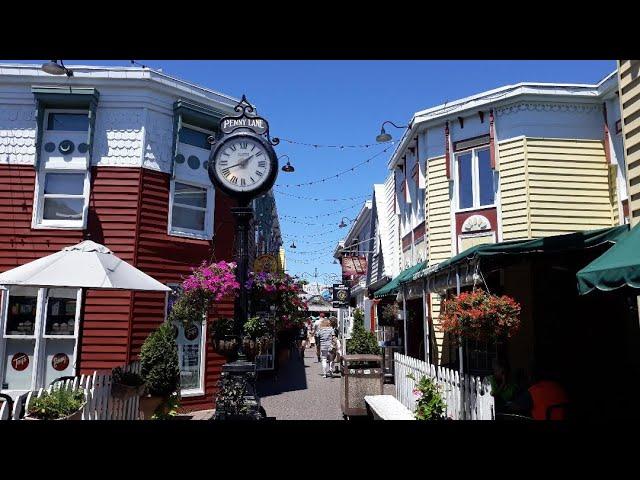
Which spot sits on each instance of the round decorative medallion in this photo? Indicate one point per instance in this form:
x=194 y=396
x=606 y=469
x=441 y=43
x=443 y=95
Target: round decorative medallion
x=179 y=158
x=193 y=162
x=83 y=147
x=60 y=361
x=49 y=147
x=20 y=361
x=66 y=147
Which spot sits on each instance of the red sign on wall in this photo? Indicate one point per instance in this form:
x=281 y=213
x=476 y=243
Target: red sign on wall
x=20 y=361
x=354 y=266
x=60 y=361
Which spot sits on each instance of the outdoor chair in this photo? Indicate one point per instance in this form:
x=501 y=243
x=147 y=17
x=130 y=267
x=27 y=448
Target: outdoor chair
x=9 y=402
x=562 y=407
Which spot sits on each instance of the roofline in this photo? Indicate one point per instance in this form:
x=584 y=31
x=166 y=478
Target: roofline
x=440 y=113
x=366 y=208
x=160 y=78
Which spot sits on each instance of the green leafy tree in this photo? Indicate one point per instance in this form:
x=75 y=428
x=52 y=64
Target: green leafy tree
x=362 y=341
x=159 y=361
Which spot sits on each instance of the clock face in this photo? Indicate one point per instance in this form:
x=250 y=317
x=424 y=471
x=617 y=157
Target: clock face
x=242 y=164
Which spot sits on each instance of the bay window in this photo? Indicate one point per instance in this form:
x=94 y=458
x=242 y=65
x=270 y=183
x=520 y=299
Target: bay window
x=475 y=179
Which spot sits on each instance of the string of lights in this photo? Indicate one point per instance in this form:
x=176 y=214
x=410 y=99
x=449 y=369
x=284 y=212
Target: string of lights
x=340 y=147
x=321 y=180
x=301 y=197
x=324 y=214
x=309 y=223
x=323 y=242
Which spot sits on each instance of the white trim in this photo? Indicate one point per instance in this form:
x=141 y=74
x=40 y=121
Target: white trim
x=209 y=213
x=38 y=223
x=491 y=233
x=475 y=180
x=192 y=392
x=45 y=121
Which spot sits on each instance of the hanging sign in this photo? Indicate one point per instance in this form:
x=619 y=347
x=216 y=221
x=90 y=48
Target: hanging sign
x=60 y=361
x=354 y=266
x=341 y=295
x=266 y=263
x=20 y=361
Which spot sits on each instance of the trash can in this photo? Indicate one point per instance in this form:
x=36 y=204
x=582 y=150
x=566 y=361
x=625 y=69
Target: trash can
x=361 y=376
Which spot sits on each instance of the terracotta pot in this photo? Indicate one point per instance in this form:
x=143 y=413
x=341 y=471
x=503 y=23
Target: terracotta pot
x=224 y=346
x=124 y=392
x=149 y=404
x=74 y=416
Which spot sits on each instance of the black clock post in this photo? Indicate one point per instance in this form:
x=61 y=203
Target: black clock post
x=245 y=138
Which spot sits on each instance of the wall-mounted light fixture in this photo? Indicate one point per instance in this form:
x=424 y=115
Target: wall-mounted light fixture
x=384 y=136
x=55 y=68
x=288 y=168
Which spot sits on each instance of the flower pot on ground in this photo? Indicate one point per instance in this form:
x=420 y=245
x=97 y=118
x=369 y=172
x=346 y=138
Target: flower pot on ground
x=59 y=404
x=126 y=384
x=159 y=368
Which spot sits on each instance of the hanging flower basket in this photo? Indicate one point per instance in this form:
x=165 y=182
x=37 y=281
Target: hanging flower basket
x=480 y=316
x=226 y=346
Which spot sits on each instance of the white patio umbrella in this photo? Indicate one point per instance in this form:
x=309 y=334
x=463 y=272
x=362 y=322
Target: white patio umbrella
x=85 y=265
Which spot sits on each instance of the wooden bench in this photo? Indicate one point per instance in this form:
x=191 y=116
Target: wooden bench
x=386 y=407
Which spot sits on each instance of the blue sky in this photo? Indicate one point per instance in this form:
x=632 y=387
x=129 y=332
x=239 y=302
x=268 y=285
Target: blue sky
x=345 y=102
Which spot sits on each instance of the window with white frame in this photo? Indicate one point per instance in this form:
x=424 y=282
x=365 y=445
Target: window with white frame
x=38 y=336
x=191 y=212
x=195 y=136
x=191 y=341
x=475 y=179
x=62 y=186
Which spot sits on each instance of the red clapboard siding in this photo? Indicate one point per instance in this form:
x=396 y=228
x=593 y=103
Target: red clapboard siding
x=169 y=259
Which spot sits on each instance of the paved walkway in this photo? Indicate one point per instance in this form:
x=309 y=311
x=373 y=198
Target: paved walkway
x=300 y=391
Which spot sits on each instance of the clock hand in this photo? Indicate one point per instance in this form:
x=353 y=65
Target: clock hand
x=244 y=162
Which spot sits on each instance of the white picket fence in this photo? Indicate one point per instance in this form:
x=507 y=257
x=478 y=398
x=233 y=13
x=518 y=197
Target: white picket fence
x=467 y=398
x=100 y=404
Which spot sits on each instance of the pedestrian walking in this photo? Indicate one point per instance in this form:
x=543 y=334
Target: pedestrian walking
x=325 y=336
x=302 y=340
x=316 y=326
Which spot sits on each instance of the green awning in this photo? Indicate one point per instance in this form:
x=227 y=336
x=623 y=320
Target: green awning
x=512 y=249
x=617 y=267
x=393 y=286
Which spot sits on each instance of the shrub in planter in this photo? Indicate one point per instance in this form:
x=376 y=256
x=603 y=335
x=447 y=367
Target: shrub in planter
x=429 y=402
x=59 y=404
x=362 y=341
x=126 y=384
x=159 y=368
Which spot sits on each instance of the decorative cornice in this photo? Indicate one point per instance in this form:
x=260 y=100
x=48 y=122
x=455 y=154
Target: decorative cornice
x=547 y=107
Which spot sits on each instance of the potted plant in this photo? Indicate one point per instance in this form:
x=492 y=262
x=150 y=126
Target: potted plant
x=429 y=402
x=59 y=404
x=159 y=368
x=480 y=316
x=256 y=337
x=223 y=338
x=126 y=384
x=362 y=374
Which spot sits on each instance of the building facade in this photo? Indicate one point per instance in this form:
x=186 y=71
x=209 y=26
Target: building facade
x=629 y=126
x=118 y=156
x=519 y=162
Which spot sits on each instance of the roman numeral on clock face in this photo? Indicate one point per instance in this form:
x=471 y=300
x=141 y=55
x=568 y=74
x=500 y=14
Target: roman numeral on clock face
x=232 y=147
x=226 y=172
x=258 y=154
x=262 y=164
x=244 y=145
x=259 y=173
x=224 y=162
x=242 y=182
x=234 y=180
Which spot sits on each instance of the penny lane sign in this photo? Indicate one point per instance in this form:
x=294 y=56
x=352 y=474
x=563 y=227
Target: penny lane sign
x=257 y=124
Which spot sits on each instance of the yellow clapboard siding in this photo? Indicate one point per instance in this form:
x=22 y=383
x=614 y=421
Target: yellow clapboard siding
x=569 y=170
x=513 y=189
x=570 y=188
x=577 y=163
x=571 y=206
x=560 y=142
x=567 y=227
x=630 y=90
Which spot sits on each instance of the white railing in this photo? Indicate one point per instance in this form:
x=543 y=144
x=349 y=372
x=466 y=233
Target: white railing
x=467 y=398
x=100 y=404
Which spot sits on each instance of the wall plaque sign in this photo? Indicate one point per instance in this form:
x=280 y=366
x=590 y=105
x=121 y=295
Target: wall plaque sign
x=60 y=361
x=20 y=361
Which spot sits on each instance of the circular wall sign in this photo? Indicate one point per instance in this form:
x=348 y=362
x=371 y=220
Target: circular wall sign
x=20 y=361
x=191 y=332
x=60 y=361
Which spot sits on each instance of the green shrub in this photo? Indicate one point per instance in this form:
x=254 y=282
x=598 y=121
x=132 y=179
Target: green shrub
x=429 y=404
x=256 y=327
x=131 y=379
x=189 y=307
x=362 y=341
x=61 y=402
x=159 y=362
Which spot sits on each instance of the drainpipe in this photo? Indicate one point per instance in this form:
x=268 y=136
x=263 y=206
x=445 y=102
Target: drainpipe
x=459 y=339
x=404 y=315
x=425 y=326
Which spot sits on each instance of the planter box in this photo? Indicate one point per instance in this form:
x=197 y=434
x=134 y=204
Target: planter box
x=124 y=392
x=74 y=416
x=149 y=404
x=358 y=382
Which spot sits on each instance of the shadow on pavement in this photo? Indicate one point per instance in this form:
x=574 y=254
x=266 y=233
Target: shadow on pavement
x=290 y=377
